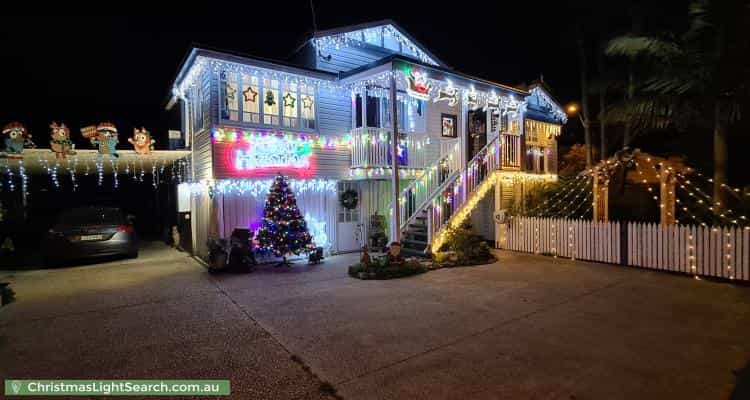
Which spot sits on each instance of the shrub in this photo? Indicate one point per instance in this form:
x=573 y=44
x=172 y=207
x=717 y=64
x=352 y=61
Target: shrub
x=468 y=247
x=381 y=268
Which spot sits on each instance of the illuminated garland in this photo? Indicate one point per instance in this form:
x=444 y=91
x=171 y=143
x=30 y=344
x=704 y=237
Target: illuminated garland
x=259 y=187
x=360 y=38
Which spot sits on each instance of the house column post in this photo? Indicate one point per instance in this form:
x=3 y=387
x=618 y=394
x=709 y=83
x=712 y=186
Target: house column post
x=667 y=186
x=395 y=218
x=600 y=196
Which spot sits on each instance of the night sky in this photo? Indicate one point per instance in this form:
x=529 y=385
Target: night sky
x=82 y=70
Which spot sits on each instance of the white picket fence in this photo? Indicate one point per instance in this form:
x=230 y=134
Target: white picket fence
x=722 y=252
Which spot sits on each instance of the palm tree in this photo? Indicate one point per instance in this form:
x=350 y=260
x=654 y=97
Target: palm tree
x=702 y=72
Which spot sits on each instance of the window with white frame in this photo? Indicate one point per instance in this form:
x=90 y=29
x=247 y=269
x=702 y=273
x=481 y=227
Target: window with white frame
x=307 y=106
x=229 y=88
x=290 y=105
x=411 y=114
x=255 y=99
x=251 y=99
x=270 y=101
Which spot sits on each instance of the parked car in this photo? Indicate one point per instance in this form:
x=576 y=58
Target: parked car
x=88 y=232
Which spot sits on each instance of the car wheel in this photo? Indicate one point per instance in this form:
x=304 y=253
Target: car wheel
x=133 y=254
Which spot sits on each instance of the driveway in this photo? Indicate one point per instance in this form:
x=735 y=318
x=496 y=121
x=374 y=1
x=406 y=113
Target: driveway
x=525 y=327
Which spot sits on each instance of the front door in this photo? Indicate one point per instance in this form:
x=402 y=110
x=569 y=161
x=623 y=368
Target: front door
x=348 y=228
x=477 y=129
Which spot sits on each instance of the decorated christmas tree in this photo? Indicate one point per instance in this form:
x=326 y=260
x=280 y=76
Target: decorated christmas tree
x=283 y=230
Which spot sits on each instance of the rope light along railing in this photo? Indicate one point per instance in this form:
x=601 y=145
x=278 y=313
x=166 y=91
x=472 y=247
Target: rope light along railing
x=562 y=190
x=418 y=194
x=565 y=195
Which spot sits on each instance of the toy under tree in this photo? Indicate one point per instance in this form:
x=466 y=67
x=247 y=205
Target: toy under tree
x=283 y=230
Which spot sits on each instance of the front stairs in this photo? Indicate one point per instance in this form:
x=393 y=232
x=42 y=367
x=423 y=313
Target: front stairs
x=444 y=196
x=414 y=238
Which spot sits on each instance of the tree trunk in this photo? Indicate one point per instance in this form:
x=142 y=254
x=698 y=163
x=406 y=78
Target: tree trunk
x=602 y=103
x=584 y=97
x=721 y=156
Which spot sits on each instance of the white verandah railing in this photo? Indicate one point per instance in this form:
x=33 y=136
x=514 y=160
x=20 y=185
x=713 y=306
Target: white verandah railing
x=722 y=252
x=371 y=147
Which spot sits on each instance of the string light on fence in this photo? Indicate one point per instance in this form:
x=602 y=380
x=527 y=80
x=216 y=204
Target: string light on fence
x=729 y=255
x=691 y=255
x=553 y=240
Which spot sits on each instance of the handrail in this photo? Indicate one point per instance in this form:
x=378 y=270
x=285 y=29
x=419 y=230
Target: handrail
x=371 y=147
x=419 y=192
x=450 y=199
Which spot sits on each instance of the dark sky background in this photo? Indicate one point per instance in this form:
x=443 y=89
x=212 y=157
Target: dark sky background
x=83 y=70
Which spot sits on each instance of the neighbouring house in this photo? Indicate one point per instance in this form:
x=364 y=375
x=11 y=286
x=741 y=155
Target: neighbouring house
x=465 y=147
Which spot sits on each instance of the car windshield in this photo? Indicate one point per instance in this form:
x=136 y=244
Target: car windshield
x=91 y=216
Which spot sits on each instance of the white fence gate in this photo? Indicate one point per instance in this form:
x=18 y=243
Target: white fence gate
x=722 y=252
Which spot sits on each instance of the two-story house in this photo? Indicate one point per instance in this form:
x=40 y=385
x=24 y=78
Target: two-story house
x=464 y=147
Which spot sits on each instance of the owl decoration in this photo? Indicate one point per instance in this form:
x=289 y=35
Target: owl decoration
x=60 y=142
x=16 y=138
x=142 y=142
x=104 y=136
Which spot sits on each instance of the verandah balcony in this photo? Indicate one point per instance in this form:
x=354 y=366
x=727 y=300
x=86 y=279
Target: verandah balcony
x=371 y=148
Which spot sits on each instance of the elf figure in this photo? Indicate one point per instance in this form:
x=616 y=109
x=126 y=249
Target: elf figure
x=142 y=142
x=105 y=136
x=16 y=137
x=60 y=143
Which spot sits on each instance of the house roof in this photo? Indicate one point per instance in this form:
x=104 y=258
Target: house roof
x=373 y=24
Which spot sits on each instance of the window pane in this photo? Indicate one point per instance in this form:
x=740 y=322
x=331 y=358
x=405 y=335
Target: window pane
x=271 y=101
x=358 y=112
x=290 y=104
x=251 y=98
x=307 y=110
x=373 y=112
x=229 y=94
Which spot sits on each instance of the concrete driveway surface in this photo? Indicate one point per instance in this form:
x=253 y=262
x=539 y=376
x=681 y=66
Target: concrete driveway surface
x=524 y=327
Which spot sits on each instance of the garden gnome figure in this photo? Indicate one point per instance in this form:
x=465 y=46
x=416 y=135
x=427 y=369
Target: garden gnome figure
x=60 y=141
x=365 y=259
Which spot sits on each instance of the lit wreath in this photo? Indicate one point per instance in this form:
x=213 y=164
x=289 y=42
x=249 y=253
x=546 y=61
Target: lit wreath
x=349 y=199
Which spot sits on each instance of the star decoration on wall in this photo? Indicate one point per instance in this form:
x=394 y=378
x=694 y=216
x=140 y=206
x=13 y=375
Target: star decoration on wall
x=250 y=94
x=231 y=91
x=289 y=100
x=307 y=102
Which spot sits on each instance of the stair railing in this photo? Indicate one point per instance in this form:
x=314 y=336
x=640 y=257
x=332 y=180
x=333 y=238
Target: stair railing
x=415 y=197
x=450 y=199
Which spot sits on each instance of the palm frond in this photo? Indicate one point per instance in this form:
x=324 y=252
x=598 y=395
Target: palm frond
x=634 y=46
